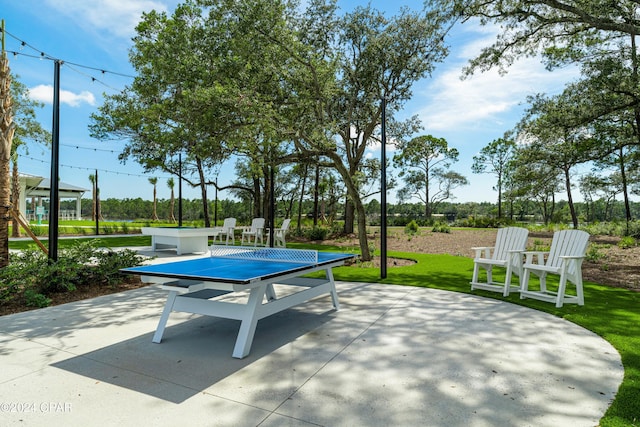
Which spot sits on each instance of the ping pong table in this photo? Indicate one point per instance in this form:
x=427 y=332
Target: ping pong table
x=199 y=285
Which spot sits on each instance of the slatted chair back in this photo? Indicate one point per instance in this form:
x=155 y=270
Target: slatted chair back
x=257 y=224
x=229 y=224
x=509 y=239
x=567 y=243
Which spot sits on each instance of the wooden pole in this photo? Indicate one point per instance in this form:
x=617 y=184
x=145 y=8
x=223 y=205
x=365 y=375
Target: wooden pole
x=26 y=228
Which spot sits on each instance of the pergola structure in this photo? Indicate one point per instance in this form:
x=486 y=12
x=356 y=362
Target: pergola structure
x=38 y=187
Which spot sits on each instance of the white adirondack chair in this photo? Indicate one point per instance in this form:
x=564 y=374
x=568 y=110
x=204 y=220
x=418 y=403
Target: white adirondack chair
x=226 y=231
x=568 y=249
x=511 y=242
x=255 y=232
x=279 y=234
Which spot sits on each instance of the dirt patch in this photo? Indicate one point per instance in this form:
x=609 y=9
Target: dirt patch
x=606 y=263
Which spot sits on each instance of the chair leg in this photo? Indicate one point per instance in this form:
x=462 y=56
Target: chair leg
x=507 y=282
x=543 y=281
x=579 y=290
x=476 y=271
x=524 y=283
x=562 y=288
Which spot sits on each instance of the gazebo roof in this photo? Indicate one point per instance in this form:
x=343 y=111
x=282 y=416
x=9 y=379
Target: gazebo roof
x=45 y=184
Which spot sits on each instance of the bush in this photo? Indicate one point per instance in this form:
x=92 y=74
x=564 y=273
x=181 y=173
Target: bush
x=627 y=242
x=441 y=228
x=32 y=277
x=594 y=254
x=411 y=228
x=317 y=233
x=482 y=222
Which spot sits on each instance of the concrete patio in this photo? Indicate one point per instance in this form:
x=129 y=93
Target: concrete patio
x=392 y=356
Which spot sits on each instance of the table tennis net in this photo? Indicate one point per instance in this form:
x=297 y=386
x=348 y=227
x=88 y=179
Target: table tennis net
x=302 y=256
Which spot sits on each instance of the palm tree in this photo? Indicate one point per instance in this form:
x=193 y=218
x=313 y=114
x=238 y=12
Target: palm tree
x=7 y=128
x=171 y=183
x=153 y=182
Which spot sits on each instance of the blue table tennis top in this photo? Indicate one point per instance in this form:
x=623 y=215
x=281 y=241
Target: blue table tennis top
x=231 y=270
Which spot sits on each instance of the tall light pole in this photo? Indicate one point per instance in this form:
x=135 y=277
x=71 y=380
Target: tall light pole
x=54 y=190
x=383 y=193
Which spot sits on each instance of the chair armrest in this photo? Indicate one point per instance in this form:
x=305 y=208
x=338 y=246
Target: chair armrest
x=571 y=256
x=531 y=254
x=487 y=251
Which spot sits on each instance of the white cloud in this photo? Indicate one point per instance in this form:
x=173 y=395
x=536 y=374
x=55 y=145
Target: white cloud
x=116 y=17
x=44 y=93
x=484 y=98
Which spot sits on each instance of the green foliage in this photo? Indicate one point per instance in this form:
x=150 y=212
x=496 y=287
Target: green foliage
x=482 y=222
x=593 y=253
x=317 y=233
x=33 y=298
x=627 y=242
x=32 y=277
x=412 y=228
x=539 y=245
x=441 y=228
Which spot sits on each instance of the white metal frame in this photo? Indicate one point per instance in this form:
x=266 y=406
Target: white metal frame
x=187 y=296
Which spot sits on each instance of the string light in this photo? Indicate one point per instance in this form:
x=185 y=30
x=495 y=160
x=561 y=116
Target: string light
x=44 y=56
x=93 y=169
x=104 y=150
x=71 y=65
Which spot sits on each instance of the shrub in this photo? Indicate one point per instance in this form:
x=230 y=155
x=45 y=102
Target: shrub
x=441 y=228
x=594 y=254
x=482 y=222
x=35 y=299
x=627 y=242
x=412 y=227
x=33 y=277
x=317 y=233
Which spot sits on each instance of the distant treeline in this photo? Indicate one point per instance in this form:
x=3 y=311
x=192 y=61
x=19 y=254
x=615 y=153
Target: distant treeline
x=398 y=214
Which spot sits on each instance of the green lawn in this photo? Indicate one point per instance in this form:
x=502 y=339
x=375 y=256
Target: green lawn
x=612 y=313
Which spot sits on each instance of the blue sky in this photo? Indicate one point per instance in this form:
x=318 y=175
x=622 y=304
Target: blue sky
x=468 y=113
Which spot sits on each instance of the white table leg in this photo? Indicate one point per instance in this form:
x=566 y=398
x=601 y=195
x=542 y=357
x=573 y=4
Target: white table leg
x=168 y=307
x=249 y=322
x=334 y=293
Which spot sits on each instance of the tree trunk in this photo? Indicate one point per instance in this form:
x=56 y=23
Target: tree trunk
x=15 y=198
x=172 y=205
x=203 y=192
x=427 y=202
x=266 y=200
x=154 y=216
x=362 y=231
x=625 y=190
x=7 y=129
x=572 y=208
x=499 y=196
x=302 y=187
x=349 y=216
x=315 y=196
